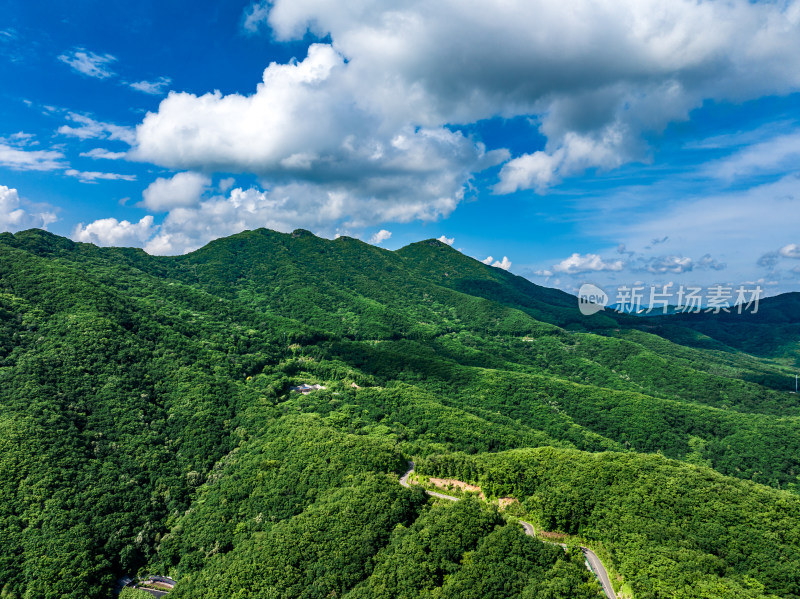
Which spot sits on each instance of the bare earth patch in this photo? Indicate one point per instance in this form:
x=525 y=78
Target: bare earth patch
x=504 y=502
x=557 y=536
x=451 y=482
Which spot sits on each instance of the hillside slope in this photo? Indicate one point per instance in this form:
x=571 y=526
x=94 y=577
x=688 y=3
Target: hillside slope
x=147 y=421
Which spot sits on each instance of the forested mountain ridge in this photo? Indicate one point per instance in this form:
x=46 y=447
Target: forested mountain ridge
x=773 y=331
x=147 y=422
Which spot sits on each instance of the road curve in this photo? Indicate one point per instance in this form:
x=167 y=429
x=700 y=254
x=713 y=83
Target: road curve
x=599 y=571
x=594 y=562
x=404 y=478
x=528 y=528
x=405 y=483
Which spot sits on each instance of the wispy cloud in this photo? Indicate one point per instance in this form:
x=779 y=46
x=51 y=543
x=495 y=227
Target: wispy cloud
x=31 y=160
x=19 y=139
x=778 y=154
x=737 y=232
x=154 y=88
x=89 y=128
x=744 y=137
x=94 y=176
x=708 y=261
x=14 y=152
x=88 y=63
x=255 y=17
x=103 y=154
x=659 y=241
x=10 y=47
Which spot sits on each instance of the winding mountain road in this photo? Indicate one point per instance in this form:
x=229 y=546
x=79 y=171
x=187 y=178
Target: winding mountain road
x=405 y=483
x=599 y=570
x=595 y=565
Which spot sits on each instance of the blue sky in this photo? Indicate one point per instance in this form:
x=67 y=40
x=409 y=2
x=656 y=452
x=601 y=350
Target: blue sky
x=613 y=142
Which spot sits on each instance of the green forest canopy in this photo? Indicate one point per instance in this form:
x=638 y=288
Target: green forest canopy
x=146 y=425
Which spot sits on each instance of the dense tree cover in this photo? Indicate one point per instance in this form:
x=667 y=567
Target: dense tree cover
x=111 y=408
x=423 y=423
x=275 y=474
x=146 y=425
x=772 y=331
x=321 y=552
x=509 y=564
x=671 y=530
x=465 y=551
x=760 y=447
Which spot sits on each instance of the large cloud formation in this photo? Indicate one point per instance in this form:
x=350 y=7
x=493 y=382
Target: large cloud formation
x=596 y=74
x=364 y=129
x=305 y=126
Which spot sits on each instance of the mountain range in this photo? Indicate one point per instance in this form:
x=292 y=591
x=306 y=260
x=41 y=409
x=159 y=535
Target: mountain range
x=148 y=425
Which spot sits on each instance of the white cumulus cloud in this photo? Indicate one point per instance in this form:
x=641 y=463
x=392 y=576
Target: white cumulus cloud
x=365 y=128
x=188 y=228
x=306 y=127
x=15 y=215
x=505 y=263
x=282 y=208
x=181 y=190
x=447 y=240
x=596 y=74
x=380 y=237
x=112 y=232
x=579 y=263
x=19 y=139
